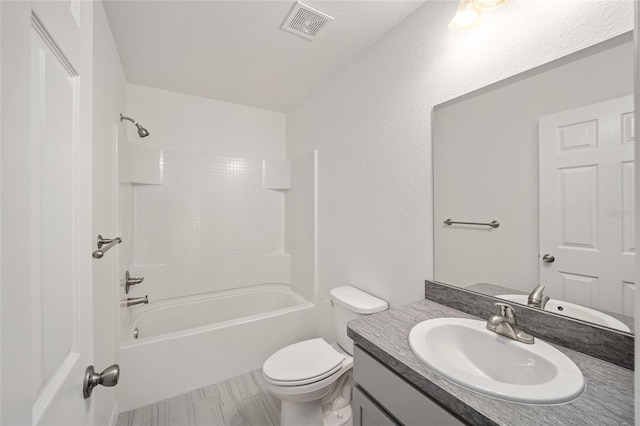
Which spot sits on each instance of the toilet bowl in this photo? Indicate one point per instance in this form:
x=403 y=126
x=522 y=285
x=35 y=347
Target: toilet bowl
x=303 y=375
x=313 y=378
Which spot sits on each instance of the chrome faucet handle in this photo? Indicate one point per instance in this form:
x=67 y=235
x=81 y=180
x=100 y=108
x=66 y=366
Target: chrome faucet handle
x=507 y=311
x=504 y=323
x=537 y=298
x=129 y=281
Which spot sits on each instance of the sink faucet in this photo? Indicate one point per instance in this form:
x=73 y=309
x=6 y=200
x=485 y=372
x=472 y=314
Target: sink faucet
x=537 y=299
x=505 y=324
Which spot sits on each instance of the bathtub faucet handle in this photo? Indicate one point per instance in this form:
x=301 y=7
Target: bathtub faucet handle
x=129 y=281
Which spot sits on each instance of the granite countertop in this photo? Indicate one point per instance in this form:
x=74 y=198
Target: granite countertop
x=607 y=399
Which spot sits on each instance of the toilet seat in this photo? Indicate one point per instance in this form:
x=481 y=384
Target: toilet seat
x=302 y=363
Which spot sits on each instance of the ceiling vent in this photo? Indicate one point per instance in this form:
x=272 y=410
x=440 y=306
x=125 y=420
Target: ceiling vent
x=305 y=21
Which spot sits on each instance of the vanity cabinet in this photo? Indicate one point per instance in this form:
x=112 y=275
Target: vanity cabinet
x=382 y=398
x=366 y=412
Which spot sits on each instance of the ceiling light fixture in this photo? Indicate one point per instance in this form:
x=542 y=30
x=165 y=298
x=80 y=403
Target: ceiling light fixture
x=470 y=11
x=488 y=4
x=466 y=16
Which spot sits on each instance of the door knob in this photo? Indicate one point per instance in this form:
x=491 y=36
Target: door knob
x=109 y=377
x=549 y=258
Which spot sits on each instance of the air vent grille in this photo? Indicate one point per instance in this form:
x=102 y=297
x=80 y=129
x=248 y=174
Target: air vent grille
x=306 y=21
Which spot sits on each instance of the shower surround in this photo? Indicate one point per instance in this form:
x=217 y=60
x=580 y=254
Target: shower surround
x=215 y=222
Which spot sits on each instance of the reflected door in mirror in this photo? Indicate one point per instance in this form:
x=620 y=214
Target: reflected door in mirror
x=586 y=205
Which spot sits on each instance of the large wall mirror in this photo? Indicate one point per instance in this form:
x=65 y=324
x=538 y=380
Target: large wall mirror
x=548 y=155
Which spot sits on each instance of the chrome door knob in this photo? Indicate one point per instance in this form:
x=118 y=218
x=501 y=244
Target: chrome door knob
x=109 y=377
x=549 y=258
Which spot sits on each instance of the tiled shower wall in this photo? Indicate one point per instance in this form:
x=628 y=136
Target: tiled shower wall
x=212 y=222
x=199 y=223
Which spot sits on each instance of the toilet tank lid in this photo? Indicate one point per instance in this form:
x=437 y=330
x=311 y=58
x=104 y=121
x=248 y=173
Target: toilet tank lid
x=357 y=300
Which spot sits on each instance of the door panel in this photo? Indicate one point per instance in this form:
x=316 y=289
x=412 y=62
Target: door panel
x=587 y=206
x=54 y=106
x=628 y=206
x=579 y=206
x=57 y=233
x=60 y=257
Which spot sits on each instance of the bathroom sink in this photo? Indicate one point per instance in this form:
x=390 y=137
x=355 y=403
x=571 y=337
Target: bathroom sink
x=465 y=352
x=572 y=310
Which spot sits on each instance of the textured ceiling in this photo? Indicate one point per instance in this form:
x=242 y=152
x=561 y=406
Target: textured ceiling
x=235 y=51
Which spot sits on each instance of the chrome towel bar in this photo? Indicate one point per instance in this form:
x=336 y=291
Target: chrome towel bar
x=493 y=223
x=107 y=243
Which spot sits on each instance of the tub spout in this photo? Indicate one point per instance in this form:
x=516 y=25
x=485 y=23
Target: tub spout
x=131 y=301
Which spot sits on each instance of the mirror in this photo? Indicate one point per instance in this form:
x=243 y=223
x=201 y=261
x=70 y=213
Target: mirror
x=548 y=155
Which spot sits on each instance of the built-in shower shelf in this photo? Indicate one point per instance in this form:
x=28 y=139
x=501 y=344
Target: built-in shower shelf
x=141 y=164
x=276 y=174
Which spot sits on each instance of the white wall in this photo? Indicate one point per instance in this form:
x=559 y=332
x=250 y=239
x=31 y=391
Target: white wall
x=488 y=168
x=193 y=124
x=109 y=90
x=371 y=124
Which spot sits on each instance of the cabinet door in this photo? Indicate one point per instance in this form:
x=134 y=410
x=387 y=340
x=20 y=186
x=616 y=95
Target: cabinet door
x=408 y=405
x=367 y=413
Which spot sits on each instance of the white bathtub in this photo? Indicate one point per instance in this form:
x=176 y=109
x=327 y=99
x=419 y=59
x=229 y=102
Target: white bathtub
x=190 y=342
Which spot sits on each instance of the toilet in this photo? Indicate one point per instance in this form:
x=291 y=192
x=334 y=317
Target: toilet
x=313 y=378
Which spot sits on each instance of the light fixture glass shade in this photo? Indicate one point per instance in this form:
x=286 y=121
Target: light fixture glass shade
x=466 y=16
x=488 y=4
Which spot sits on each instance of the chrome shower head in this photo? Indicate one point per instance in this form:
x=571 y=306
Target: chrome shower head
x=142 y=132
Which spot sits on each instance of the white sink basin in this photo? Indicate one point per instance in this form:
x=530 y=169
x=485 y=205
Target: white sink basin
x=465 y=352
x=572 y=310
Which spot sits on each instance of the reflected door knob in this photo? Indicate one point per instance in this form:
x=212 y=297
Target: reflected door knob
x=549 y=258
x=109 y=377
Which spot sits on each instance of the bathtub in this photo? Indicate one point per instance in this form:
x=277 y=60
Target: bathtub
x=190 y=342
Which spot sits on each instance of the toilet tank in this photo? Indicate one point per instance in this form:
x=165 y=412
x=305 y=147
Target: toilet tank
x=350 y=303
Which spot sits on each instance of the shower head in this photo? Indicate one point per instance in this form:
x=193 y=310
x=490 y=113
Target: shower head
x=142 y=132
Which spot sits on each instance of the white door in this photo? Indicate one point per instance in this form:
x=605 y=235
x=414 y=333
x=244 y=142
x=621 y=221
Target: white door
x=61 y=240
x=587 y=205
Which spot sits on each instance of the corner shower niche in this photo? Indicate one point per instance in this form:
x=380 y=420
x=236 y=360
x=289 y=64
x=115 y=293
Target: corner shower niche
x=202 y=223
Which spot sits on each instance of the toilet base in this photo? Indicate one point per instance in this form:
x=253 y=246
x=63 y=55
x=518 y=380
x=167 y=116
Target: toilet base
x=342 y=417
x=301 y=414
x=310 y=414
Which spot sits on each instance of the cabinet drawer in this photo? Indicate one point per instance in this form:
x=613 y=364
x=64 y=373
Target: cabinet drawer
x=403 y=401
